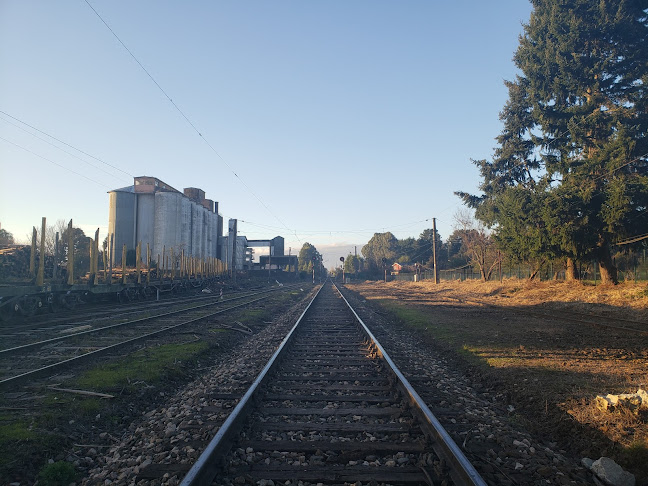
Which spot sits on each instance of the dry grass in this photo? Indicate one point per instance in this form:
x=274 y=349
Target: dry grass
x=514 y=292
x=517 y=334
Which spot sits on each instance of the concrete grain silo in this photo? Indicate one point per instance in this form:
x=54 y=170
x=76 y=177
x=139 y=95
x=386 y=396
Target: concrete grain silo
x=121 y=221
x=213 y=218
x=153 y=212
x=196 y=230
x=185 y=230
x=167 y=222
x=145 y=224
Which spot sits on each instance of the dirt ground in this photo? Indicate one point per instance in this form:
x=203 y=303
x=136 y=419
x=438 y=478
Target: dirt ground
x=553 y=346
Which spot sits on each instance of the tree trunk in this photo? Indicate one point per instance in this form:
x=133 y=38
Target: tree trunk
x=571 y=272
x=606 y=266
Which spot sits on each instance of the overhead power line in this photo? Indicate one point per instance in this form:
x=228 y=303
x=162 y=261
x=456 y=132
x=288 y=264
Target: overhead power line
x=55 y=163
x=634 y=239
x=94 y=166
x=64 y=143
x=191 y=124
x=323 y=232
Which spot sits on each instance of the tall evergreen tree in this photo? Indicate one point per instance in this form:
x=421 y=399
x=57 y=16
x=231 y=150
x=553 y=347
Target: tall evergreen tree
x=573 y=152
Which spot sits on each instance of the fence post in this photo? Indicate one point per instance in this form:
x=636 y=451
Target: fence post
x=70 y=263
x=32 y=256
x=123 y=279
x=138 y=258
x=41 y=262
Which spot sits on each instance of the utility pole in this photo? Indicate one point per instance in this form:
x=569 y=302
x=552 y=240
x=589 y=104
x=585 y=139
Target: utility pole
x=436 y=275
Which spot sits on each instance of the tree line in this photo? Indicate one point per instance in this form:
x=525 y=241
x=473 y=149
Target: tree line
x=568 y=180
x=16 y=265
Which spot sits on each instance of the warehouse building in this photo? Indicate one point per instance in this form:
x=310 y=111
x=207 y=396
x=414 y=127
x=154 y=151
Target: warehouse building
x=154 y=213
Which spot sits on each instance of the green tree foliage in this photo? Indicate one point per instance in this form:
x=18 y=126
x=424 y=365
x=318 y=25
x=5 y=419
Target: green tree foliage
x=570 y=174
x=81 y=250
x=382 y=247
x=424 y=250
x=406 y=250
x=352 y=264
x=6 y=238
x=454 y=252
x=309 y=256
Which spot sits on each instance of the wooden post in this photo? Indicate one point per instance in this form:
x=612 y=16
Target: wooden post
x=182 y=264
x=123 y=279
x=172 y=264
x=111 y=250
x=138 y=258
x=105 y=263
x=436 y=274
x=148 y=264
x=32 y=256
x=91 y=273
x=96 y=257
x=163 y=261
x=41 y=261
x=70 y=255
x=55 y=266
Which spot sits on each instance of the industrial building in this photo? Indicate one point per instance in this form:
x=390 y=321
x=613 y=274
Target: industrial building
x=154 y=213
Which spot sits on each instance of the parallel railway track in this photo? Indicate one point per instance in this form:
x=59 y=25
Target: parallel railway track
x=28 y=361
x=18 y=337
x=25 y=328
x=331 y=407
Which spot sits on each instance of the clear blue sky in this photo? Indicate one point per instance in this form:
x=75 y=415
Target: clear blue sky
x=340 y=118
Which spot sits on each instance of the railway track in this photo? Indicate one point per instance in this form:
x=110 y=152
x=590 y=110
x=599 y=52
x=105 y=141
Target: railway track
x=22 y=335
x=25 y=362
x=331 y=407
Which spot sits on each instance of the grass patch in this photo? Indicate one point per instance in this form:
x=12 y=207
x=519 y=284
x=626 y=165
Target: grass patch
x=635 y=458
x=412 y=316
x=418 y=319
x=254 y=315
x=15 y=431
x=57 y=474
x=17 y=440
x=149 y=365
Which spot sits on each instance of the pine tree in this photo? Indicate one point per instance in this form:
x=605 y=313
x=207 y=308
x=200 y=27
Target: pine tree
x=574 y=148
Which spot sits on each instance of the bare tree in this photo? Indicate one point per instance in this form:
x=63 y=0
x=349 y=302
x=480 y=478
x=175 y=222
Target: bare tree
x=478 y=244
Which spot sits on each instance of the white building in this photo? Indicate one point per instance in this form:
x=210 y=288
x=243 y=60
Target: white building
x=156 y=214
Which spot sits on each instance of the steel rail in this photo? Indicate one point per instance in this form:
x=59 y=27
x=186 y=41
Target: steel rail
x=206 y=467
x=463 y=472
x=23 y=347
x=45 y=369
